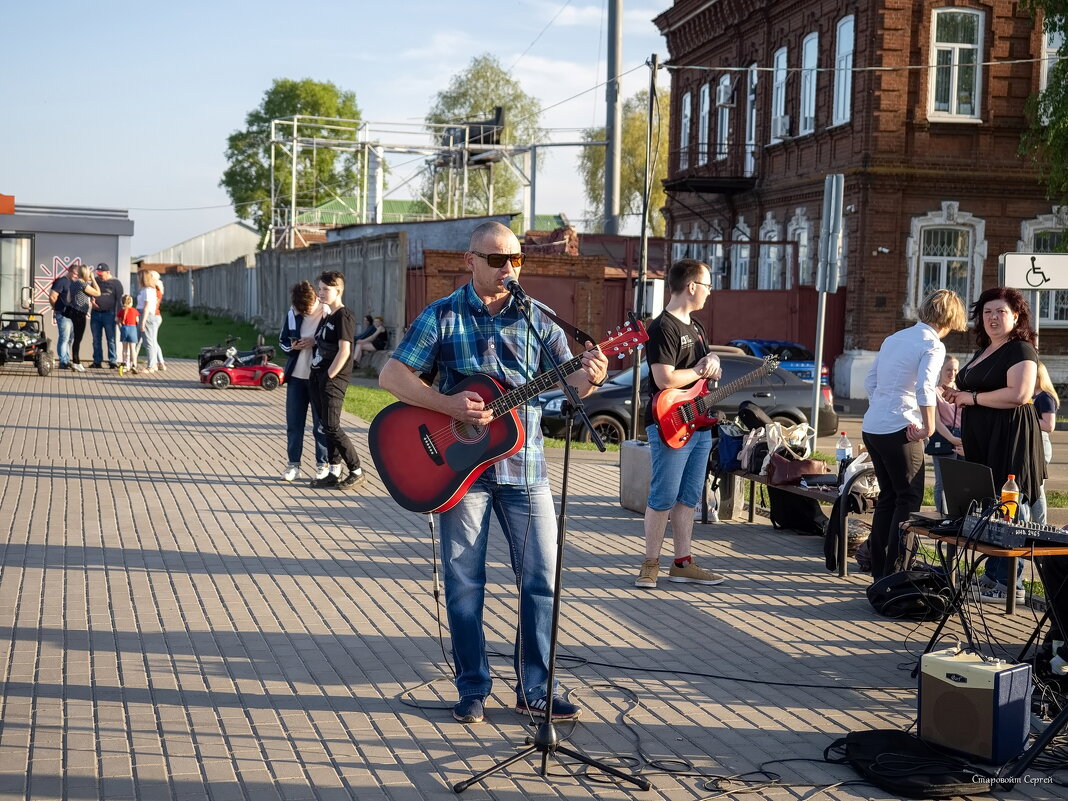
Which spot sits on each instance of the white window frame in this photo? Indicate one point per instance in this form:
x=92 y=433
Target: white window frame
x=1030 y=230
x=778 y=95
x=702 y=126
x=799 y=230
x=679 y=245
x=844 y=38
x=751 y=78
x=724 y=103
x=1052 y=42
x=769 y=269
x=810 y=48
x=741 y=252
x=684 y=132
x=954 y=51
x=949 y=216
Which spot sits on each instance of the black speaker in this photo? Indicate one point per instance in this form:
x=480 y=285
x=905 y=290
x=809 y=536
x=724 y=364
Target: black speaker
x=973 y=705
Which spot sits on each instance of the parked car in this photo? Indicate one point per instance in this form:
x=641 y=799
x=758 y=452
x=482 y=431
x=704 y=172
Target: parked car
x=796 y=358
x=781 y=394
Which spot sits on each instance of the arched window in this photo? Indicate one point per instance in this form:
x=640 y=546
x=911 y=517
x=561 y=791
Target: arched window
x=809 y=61
x=799 y=230
x=1046 y=234
x=843 y=71
x=740 y=250
x=684 y=133
x=770 y=269
x=945 y=250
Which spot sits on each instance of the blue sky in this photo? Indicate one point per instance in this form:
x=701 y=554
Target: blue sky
x=129 y=104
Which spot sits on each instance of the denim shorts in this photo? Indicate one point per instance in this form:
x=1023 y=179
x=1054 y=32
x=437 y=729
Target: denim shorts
x=677 y=474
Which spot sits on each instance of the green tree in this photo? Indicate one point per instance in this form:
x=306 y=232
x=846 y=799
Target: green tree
x=1046 y=141
x=632 y=168
x=472 y=95
x=321 y=173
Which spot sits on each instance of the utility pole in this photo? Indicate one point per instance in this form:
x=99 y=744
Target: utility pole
x=613 y=126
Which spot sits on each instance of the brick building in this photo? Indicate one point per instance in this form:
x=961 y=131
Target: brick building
x=920 y=103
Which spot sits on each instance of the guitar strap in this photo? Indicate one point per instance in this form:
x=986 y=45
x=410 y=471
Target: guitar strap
x=571 y=330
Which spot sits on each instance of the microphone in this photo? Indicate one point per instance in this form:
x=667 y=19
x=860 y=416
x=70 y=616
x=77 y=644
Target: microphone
x=511 y=283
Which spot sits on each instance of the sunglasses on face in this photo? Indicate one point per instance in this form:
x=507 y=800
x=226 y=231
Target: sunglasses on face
x=498 y=260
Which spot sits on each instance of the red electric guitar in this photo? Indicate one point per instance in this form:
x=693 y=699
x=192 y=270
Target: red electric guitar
x=427 y=460
x=680 y=412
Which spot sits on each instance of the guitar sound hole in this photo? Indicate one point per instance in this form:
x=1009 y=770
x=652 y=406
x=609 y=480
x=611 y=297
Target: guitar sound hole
x=468 y=432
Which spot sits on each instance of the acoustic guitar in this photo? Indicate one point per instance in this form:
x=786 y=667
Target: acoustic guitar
x=427 y=459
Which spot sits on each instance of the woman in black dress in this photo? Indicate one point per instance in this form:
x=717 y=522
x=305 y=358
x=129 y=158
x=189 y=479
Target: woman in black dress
x=999 y=424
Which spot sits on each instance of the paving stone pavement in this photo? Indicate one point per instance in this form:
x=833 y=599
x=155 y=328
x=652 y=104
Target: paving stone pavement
x=179 y=623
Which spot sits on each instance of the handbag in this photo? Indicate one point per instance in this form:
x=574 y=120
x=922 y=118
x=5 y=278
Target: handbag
x=790 y=471
x=791 y=441
x=937 y=445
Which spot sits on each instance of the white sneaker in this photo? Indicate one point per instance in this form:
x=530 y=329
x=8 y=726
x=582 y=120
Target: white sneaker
x=291 y=473
x=322 y=470
x=334 y=470
x=78 y=367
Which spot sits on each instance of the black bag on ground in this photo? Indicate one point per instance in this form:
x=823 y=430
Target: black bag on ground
x=918 y=594
x=752 y=416
x=796 y=512
x=903 y=764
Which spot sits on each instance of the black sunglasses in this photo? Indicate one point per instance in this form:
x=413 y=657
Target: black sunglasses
x=498 y=260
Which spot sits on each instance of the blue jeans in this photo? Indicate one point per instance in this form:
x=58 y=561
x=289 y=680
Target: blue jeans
x=528 y=518
x=103 y=323
x=678 y=474
x=298 y=399
x=65 y=333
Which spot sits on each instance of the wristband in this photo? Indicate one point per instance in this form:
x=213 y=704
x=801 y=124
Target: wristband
x=975 y=397
x=595 y=384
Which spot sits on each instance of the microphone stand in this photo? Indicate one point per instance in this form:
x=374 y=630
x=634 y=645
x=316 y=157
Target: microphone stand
x=545 y=740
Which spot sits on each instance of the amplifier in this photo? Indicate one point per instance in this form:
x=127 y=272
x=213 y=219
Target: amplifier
x=977 y=707
x=1003 y=534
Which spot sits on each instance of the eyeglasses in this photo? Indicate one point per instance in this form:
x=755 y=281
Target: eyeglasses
x=498 y=260
x=702 y=283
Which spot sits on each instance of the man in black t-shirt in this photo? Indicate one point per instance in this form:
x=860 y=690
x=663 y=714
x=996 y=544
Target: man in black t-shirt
x=331 y=367
x=61 y=296
x=102 y=319
x=678 y=357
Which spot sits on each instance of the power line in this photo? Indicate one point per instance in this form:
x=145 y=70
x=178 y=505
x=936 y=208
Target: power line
x=536 y=38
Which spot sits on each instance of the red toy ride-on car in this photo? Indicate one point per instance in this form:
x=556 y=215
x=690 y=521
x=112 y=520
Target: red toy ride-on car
x=252 y=371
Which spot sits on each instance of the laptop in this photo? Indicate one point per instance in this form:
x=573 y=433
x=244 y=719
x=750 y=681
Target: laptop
x=962 y=483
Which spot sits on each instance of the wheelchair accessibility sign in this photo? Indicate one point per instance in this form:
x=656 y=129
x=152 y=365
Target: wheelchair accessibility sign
x=1030 y=271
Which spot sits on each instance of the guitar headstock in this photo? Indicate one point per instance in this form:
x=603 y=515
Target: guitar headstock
x=624 y=339
x=771 y=362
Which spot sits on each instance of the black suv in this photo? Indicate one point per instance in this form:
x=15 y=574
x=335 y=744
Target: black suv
x=784 y=396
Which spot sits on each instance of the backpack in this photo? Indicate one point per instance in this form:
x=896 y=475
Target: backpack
x=64 y=298
x=918 y=594
x=796 y=512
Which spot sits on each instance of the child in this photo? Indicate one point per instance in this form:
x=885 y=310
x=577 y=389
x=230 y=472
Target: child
x=128 y=335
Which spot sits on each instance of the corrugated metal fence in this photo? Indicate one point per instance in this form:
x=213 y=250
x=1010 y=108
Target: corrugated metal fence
x=257 y=287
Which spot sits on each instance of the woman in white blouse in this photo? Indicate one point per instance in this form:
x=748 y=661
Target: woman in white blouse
x=149 y=319
x=902 y=388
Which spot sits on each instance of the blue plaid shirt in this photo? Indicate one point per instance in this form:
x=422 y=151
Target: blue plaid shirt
x=460 y=337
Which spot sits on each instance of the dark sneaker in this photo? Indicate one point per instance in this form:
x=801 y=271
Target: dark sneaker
x=469 y=710
x=353 y=480
x=113 y=365
x=96 y=366
x=329 y=481
x=562 y=710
